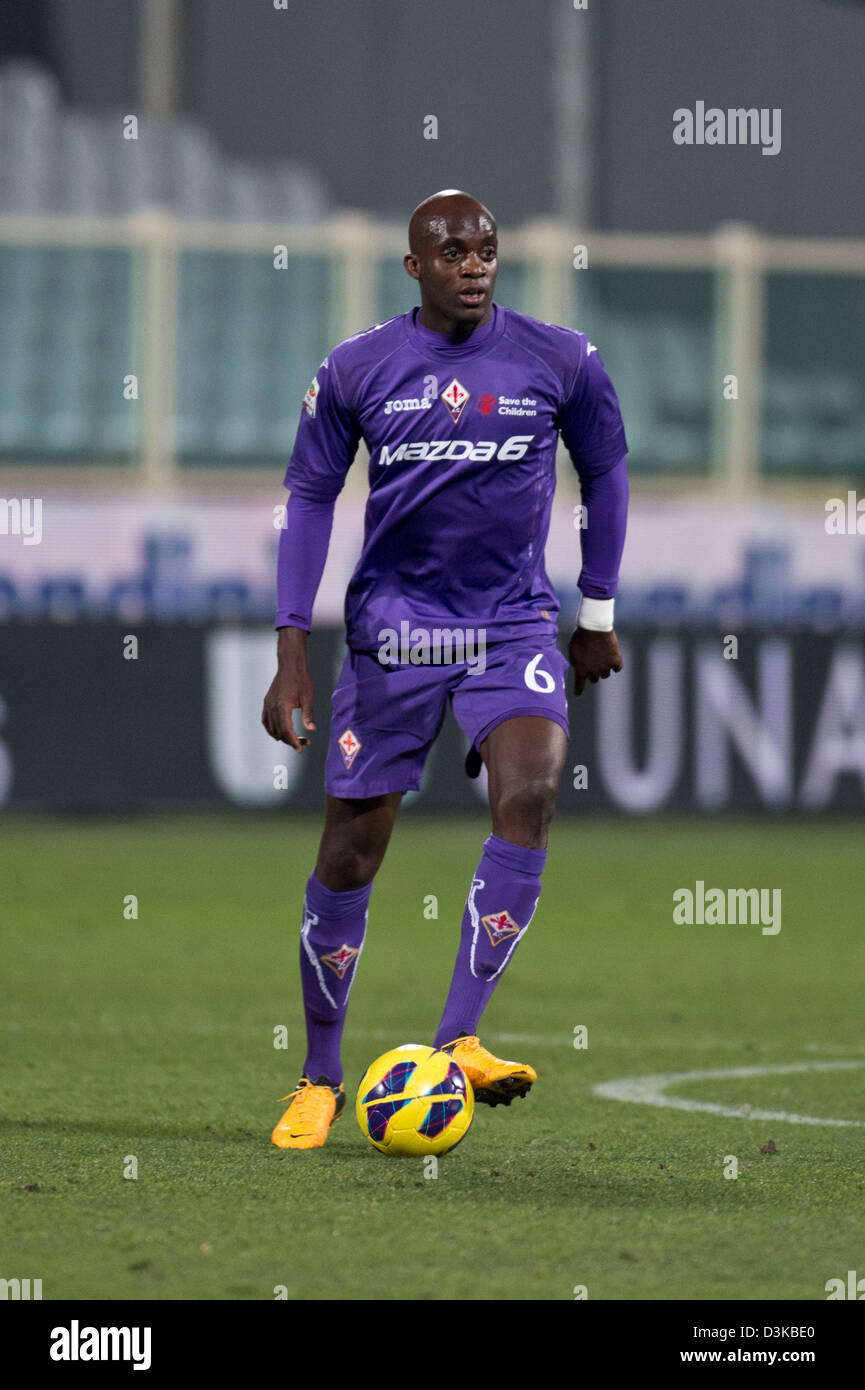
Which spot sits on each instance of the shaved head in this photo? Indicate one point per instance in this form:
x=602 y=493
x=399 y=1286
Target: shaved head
x=434 y=216
x=454 y=258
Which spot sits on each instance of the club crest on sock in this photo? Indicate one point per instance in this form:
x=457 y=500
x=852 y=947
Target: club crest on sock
x=349 y=746
x=339 y=961
x=499 y=926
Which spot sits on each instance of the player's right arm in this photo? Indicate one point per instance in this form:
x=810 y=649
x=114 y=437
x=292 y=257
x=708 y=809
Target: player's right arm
x=303 y=546
x=326 y=443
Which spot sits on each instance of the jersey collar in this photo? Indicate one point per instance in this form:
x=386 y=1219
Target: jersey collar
x=426 y=340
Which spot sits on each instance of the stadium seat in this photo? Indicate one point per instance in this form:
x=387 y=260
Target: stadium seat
x=245 y=331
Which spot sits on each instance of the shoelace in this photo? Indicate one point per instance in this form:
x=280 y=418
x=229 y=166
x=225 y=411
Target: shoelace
x=303 y=1092
x=298 y=1091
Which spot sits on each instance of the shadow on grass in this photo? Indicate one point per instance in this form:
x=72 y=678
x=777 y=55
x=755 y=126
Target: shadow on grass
x=338 y=1147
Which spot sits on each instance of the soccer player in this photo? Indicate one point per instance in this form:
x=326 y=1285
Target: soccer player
x=460 y=403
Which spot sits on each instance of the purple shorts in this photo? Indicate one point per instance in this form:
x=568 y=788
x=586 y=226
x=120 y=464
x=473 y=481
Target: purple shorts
x=385 y=719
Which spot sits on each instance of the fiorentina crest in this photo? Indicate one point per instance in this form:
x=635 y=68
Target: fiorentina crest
x=349 y=746
x=339 y=961
x=455 y=397
x=500 y=925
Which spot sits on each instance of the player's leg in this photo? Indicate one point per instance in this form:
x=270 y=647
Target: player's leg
x=354 y=840
x=519 y=729
x=353 y=844
x=335 y=907
x=524 y=759
x=383 y=724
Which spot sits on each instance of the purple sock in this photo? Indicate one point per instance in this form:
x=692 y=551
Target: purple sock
x=331 y=940
x=501 y=904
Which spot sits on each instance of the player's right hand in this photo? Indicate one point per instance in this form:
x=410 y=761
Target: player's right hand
x=290 y=689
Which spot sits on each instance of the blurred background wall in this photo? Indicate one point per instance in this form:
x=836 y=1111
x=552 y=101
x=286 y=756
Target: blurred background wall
x=334 y=82
x=198 y=198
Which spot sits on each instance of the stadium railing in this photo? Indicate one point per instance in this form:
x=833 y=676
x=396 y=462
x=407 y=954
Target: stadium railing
x=173 y=351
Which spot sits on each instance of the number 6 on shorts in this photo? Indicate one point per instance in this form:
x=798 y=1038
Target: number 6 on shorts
x=538 y=680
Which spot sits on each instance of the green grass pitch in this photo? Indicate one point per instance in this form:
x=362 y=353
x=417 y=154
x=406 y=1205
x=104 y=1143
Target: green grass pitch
x=154 y=1039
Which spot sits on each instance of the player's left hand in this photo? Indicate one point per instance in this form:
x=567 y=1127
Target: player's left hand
x=593 y=656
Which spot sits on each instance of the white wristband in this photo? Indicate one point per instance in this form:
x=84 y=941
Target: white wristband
x=596 y=614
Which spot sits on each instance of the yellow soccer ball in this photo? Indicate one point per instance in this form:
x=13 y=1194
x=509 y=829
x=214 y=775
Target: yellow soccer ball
x=414 y=1101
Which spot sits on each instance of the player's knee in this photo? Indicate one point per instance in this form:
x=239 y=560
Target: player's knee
x=344 y=867
x=522 y=810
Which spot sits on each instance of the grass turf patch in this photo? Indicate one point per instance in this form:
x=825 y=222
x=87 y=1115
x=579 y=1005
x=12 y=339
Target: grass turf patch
x=152 y=1038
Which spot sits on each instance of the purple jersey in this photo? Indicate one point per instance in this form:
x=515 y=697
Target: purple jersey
x=462 y=442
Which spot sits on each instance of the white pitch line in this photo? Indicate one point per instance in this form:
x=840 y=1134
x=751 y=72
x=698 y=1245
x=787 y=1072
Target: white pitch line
x=652 y=1090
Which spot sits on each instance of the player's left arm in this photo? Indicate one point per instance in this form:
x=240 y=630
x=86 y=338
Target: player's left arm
x=593 y=650
x=592 y=429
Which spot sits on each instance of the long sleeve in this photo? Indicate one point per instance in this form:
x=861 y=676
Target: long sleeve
x=303 y=545
x=325 y=445
x=605 y=497
x=327 y=438
x=592 y=430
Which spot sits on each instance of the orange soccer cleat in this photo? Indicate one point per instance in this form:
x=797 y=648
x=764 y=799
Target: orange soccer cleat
x=315 y=1106
x=494 y=1081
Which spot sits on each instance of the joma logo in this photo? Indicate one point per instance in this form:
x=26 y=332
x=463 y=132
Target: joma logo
x=407 y=403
